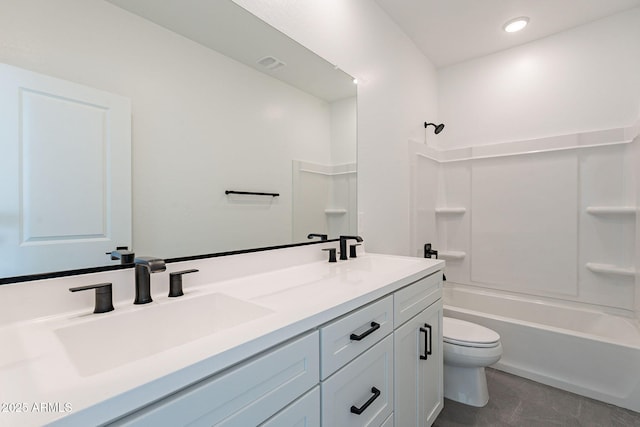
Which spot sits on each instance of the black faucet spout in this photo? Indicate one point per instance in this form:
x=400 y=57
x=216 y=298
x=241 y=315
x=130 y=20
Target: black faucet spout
x=144 y=267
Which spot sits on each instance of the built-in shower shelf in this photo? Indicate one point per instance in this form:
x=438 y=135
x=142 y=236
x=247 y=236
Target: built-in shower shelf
x=610 y=269
x=452 y=254
x=611 y=210
x=335 y=211
x=451 y=211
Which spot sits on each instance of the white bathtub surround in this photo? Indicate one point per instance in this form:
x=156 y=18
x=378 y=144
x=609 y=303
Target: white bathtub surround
x=562 y=344
x=553 y=217
x=282 y=293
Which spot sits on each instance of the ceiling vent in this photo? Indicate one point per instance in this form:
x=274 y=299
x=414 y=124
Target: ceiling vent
x=271 y=63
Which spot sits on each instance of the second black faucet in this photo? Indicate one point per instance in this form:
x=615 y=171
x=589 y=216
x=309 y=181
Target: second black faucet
x=343 y=245
x=144 y=267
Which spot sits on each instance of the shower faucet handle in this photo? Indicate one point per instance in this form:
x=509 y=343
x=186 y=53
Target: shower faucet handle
x=428 y=252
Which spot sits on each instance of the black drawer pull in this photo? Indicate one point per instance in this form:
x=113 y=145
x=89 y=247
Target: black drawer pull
x=360 y=410
x=374 y=327
x=427 y=348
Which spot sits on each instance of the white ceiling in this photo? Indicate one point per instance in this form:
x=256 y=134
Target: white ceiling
x=451 y=31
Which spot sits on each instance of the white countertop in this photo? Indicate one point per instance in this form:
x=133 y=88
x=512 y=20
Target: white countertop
x=36 y=369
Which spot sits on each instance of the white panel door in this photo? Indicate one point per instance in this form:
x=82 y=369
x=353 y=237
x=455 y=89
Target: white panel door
x=65 y=197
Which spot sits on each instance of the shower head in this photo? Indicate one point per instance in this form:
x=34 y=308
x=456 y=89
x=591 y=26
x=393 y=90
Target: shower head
x=438 y=128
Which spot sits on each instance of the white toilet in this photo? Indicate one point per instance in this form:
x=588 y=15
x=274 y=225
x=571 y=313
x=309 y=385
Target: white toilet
x=468 y=348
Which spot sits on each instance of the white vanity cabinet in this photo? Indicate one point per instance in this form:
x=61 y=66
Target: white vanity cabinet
x=378 y=365
x=418 y=365
x=247 y=395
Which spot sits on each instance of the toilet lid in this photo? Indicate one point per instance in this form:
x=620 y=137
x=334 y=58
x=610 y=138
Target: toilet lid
x=460 y=332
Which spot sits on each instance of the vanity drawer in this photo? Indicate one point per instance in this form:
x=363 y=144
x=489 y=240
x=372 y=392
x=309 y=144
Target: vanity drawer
x=412 y=299
x=344 y=339
x=242 y=396
x=365 y=384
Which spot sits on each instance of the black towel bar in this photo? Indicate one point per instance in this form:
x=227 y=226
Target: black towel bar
x=251 y=193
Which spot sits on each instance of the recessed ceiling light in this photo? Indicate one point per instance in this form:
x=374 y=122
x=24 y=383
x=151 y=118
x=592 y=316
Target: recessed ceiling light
x=516 y=24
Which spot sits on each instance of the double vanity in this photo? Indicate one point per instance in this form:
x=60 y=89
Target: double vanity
x=271 y=338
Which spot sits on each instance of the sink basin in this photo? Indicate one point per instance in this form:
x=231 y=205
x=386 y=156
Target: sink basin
x=113 y=339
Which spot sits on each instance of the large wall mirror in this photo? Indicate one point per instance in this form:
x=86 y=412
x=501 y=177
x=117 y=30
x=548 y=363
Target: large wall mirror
x=219 y=101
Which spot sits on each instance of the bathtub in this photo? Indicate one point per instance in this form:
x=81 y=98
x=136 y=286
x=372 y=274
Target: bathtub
x=580 y=350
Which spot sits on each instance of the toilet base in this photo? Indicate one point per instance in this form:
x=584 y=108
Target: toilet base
x=466 y=385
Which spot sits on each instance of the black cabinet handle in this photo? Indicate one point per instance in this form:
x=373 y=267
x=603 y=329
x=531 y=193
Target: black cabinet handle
x=427 y=339
x=374 y=327
x=360 y=410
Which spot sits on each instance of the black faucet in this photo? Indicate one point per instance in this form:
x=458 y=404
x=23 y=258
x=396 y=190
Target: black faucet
x=343 y=245
x=321 y=236
x=144 y=267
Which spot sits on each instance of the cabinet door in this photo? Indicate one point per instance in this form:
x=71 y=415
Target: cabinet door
x=361 y=393
x=303 y=412
x=418 y=374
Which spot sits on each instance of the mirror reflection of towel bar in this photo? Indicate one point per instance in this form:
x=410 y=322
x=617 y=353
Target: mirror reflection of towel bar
x=251 y=193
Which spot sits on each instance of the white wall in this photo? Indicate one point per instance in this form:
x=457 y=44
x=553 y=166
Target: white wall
x=396 y=95
x=344 y=122
x=579 y=80
x=196 y=114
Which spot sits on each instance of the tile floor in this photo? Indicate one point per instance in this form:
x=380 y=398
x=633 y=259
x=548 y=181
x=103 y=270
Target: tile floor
x=518 y=402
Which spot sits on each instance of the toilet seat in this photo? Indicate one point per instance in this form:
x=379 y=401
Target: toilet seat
x=467 y=334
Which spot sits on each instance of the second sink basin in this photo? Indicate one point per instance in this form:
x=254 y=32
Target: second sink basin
x=113 y=339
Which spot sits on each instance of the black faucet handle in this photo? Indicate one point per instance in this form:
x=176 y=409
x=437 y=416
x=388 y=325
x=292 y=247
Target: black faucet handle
x=428 y=252
x=332 y=254
x=322 y=237
x=175 y=282
x=123 y=254
x=104 y=296
x=353 y=250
